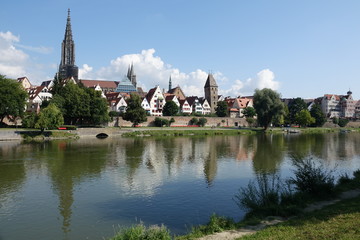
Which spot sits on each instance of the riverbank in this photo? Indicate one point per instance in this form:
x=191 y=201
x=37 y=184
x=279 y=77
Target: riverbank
x=10 y=134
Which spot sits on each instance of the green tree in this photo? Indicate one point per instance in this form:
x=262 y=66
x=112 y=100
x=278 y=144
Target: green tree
x=160 y=122
x=29 y=120
x=49 y=118
x=134 y=112
x=12 y=98
x=319 y=116
x=295 y=107
x=249 y=112
x=98 y=107
x=268 y=106
x=287 y=120
x=304 y=118
x=194 y=121
x=170 y=109
x=222 y=109
x=343 y=122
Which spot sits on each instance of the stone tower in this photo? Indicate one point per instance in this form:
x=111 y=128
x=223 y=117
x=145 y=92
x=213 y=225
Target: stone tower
x=211 y=92
x=131 y=75
x=67 y=68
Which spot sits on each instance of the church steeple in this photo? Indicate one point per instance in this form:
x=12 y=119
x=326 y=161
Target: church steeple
x=67 y=68
x=170 y=84
x=131 y=75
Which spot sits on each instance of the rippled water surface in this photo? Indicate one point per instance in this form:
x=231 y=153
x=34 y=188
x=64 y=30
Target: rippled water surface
x=85 y=189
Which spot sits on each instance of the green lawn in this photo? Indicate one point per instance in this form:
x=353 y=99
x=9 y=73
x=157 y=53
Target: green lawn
x=338 y=221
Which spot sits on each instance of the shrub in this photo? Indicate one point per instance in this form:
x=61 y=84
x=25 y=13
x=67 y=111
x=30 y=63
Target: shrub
x=140 y=232
x=202 y=121
x=312 y=179
x=159 y=122
x=342 y=122
x=194 y=121
x=261 y=195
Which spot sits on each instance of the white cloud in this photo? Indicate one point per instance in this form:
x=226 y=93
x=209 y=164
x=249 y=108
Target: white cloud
x=151 y=70
x=15 y=63
x=264 y=79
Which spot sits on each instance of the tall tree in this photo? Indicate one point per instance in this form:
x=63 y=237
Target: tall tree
x=98 y=107
x=268 y=106
x=319 y=116
x=295 y=107
x=12 y=98
x=303 y=118
x=49 y=118
x=170 y=109
x=222 y=109
x=134 y=112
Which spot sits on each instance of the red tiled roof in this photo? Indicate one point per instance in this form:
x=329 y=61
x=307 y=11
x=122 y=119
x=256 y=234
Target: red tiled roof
x=101 y=83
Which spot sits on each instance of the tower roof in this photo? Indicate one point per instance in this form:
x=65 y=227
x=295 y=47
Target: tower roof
x=68 y=32
x=210 y=82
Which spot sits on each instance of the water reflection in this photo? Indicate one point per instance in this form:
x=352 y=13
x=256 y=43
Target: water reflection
x=141 y=168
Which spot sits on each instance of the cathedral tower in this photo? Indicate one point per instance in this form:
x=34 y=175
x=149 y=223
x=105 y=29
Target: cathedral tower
x=67 y=68
x=131 y=75
x=211 y=92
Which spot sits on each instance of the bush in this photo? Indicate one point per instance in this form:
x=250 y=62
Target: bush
x=202 y=121
x=312 y=179
x=160 y=122
x=194 y=121
x=262 y=195
x=140 y=232
x=343 y=122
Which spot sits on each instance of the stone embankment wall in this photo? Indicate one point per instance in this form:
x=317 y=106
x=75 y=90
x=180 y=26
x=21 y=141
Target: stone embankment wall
x=184 y=121
x=9 y=135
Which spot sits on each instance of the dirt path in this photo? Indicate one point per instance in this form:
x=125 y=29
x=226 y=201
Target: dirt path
x=234 y=234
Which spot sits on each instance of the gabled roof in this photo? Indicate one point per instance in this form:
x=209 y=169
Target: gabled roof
x=328 y=96
x=46 y=83
x=101 y=83
x=113 y=95
x=150 y=94
x=33 y=92
x=191 y=100
x=210 y=82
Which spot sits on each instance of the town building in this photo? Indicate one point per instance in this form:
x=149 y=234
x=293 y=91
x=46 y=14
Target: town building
x=156 y=101
x=211 y=92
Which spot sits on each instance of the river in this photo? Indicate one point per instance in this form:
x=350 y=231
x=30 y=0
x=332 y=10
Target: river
x=89 y=188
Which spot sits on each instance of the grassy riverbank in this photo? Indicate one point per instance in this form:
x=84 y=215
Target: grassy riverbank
x=46 y=135
x=338 y=221
x=313 y=184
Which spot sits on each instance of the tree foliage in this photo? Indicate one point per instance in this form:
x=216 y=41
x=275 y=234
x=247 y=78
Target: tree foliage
x=303 y=118
x=81 y=105
x=249 y=112
x=295 y=107
x=319 y=116
x=268 y=106
x=29 y=120
x=222 y=109
x=202 y=121
x=49 y=118
x=12 y=98
x=134 y=112
x=170 y=109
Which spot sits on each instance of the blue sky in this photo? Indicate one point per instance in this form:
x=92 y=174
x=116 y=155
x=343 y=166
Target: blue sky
x=299 y=48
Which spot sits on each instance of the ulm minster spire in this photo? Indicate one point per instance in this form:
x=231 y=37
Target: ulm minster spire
x=67 y=68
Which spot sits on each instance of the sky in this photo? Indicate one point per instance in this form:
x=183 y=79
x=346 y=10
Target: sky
x=302 y=48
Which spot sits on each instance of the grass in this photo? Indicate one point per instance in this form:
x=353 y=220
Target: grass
x=40 y=136
x=140 y=232
x=338 y=221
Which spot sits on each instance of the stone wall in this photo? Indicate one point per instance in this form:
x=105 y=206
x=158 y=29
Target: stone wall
x=182 y=121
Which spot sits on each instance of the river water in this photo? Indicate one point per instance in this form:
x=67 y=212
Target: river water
x=89 y=188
